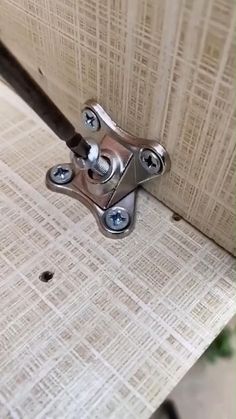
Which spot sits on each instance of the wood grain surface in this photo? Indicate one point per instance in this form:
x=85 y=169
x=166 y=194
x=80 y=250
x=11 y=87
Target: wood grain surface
x=121 y=321
x=162 y=69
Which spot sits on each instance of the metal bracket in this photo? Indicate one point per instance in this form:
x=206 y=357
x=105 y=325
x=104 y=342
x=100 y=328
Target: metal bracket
x=110 y=193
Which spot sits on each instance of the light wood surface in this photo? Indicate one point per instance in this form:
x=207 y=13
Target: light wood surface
x=162 y=69
x=122 y=321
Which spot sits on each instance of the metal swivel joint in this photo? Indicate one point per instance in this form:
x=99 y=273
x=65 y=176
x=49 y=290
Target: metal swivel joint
x=106 y=176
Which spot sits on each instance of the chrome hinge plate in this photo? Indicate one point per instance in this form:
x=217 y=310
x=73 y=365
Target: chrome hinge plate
x=111 y=198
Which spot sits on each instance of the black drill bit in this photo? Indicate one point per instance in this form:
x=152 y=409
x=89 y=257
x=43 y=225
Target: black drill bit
x=23 y=84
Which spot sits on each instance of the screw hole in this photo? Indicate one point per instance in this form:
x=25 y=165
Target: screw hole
x=176 y=217
x=46 y=276
x=93 y=175
x=40 y=71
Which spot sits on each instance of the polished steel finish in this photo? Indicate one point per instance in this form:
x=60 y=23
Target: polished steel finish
x=102 y=189
x=61 y=174
x=90 y=119
x=102 y=166
x=117 y=218
x=94 y=160
x=107 y=125
x=127 y=162
x=151 y=161
x=127 y=203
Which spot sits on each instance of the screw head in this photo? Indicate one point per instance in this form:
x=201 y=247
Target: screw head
x=117 y=218
x=151 y=161
x=61 y=174
x=90 y=119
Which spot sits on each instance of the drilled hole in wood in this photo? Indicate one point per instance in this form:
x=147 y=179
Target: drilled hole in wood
x=46 y=276
x=176 y=217
x=40 y=71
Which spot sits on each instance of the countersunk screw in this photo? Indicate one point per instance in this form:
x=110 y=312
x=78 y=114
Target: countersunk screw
x=61 y=174
x=90 y=119
x=151 y=161
x=117 y=218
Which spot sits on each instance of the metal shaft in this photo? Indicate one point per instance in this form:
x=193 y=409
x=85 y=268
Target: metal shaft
x=95 y=161
x=102 y=166
x=12 y=71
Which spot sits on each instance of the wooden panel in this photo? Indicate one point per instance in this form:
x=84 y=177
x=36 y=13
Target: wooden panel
x=121 y=321
x=163 y=69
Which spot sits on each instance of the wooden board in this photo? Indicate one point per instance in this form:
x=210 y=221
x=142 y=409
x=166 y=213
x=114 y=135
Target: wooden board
x=162 y=69
x=122 y=321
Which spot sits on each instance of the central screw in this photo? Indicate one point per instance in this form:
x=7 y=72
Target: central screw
x=117 y=218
